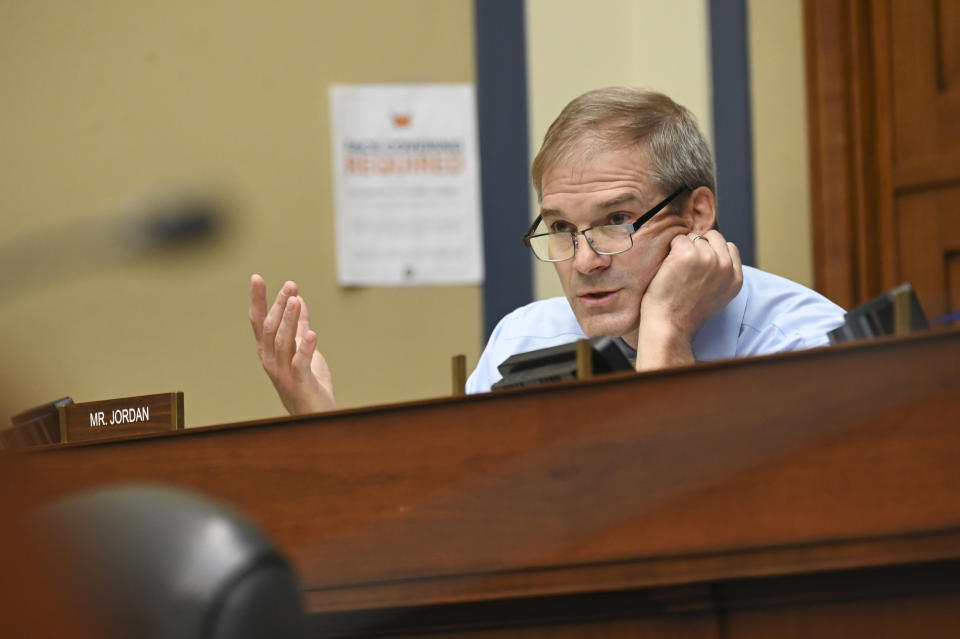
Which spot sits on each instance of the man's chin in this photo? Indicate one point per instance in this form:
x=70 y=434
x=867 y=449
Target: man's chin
x=607 y=324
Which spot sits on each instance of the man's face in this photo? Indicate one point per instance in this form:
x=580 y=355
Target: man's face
x=608 y=187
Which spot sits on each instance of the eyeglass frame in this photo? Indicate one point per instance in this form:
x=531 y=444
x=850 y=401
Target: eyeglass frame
x=643 y=219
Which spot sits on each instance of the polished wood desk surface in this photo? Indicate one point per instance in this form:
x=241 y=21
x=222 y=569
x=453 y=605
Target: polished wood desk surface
x=829 y=460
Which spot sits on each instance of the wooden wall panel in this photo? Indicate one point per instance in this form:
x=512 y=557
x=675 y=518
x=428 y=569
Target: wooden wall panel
x=928 y=245
x=837 y=181
x=887 y=137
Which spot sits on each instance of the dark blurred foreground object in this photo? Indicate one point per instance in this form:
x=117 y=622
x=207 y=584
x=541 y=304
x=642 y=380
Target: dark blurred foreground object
x=896 y=312
x=34 y=427
x=159 y=224
x=559 y=363
x=156 y=563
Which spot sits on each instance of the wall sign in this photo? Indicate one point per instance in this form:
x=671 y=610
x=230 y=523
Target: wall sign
x=406 y=185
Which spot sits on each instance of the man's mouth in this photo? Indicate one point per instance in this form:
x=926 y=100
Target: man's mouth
x=597 y=298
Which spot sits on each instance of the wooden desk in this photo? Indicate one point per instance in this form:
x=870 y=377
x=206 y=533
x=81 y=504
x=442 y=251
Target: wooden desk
x=811 y=494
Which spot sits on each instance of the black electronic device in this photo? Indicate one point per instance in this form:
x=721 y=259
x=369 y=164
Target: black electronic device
x=877 y=317
x=559 y=363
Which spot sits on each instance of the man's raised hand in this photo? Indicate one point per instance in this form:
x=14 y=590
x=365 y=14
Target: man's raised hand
x=288 y=349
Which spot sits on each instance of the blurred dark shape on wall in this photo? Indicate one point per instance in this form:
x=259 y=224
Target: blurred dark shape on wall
x=172 y=222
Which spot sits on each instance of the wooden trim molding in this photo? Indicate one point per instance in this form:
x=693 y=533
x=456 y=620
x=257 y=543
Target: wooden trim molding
x=843 y=145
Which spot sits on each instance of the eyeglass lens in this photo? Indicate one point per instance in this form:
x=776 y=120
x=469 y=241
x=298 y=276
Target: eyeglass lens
x=608 y=240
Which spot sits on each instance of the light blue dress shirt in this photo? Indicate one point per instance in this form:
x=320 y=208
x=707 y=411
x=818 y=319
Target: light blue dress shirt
x=770 y=314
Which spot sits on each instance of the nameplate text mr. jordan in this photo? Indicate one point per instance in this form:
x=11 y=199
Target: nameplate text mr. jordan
x=120 y=417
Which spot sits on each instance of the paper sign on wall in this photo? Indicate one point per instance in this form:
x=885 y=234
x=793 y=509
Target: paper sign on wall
x=406 y=185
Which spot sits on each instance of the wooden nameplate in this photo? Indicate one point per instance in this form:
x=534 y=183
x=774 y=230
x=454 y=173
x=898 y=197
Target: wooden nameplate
x=120 y=417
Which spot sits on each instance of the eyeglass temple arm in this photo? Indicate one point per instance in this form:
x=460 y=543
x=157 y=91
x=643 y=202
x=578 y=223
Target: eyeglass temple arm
x=646 y=216
x=533 y=227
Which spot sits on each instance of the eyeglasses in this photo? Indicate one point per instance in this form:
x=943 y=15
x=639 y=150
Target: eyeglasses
x=609 y=239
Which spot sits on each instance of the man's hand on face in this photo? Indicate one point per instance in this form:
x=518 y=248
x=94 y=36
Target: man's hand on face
x=288 y=349
x=697 y=279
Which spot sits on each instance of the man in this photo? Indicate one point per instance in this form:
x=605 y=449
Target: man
x=628 y=216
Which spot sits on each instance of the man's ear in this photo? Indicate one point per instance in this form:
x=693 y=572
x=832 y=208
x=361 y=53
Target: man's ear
x=702 y=210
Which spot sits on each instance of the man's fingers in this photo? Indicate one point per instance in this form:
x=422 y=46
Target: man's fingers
x=285 y=342
x=737 y=265
x=680 y=242
x=258 y=304
x=271 y=324
x=304 y=324
x=304 y=355
x=711 y=239
x=734 y=255
x=727 y=254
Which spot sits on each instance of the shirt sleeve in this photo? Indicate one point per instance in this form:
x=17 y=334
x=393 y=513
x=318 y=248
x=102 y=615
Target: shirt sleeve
x=795 y=319
x=486 y=373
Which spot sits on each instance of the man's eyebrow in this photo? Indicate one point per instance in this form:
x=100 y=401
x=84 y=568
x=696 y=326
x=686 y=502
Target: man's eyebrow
x=620 y=199
x=616 y=201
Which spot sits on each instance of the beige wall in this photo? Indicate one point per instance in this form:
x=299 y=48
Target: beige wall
x=780 y=153
x=108 y=99
x=574 y=46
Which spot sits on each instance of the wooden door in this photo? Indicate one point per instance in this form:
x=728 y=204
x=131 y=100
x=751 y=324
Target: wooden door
x=884 y=98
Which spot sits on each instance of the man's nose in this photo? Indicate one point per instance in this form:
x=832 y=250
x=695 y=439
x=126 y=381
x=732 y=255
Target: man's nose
x=585 y=258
